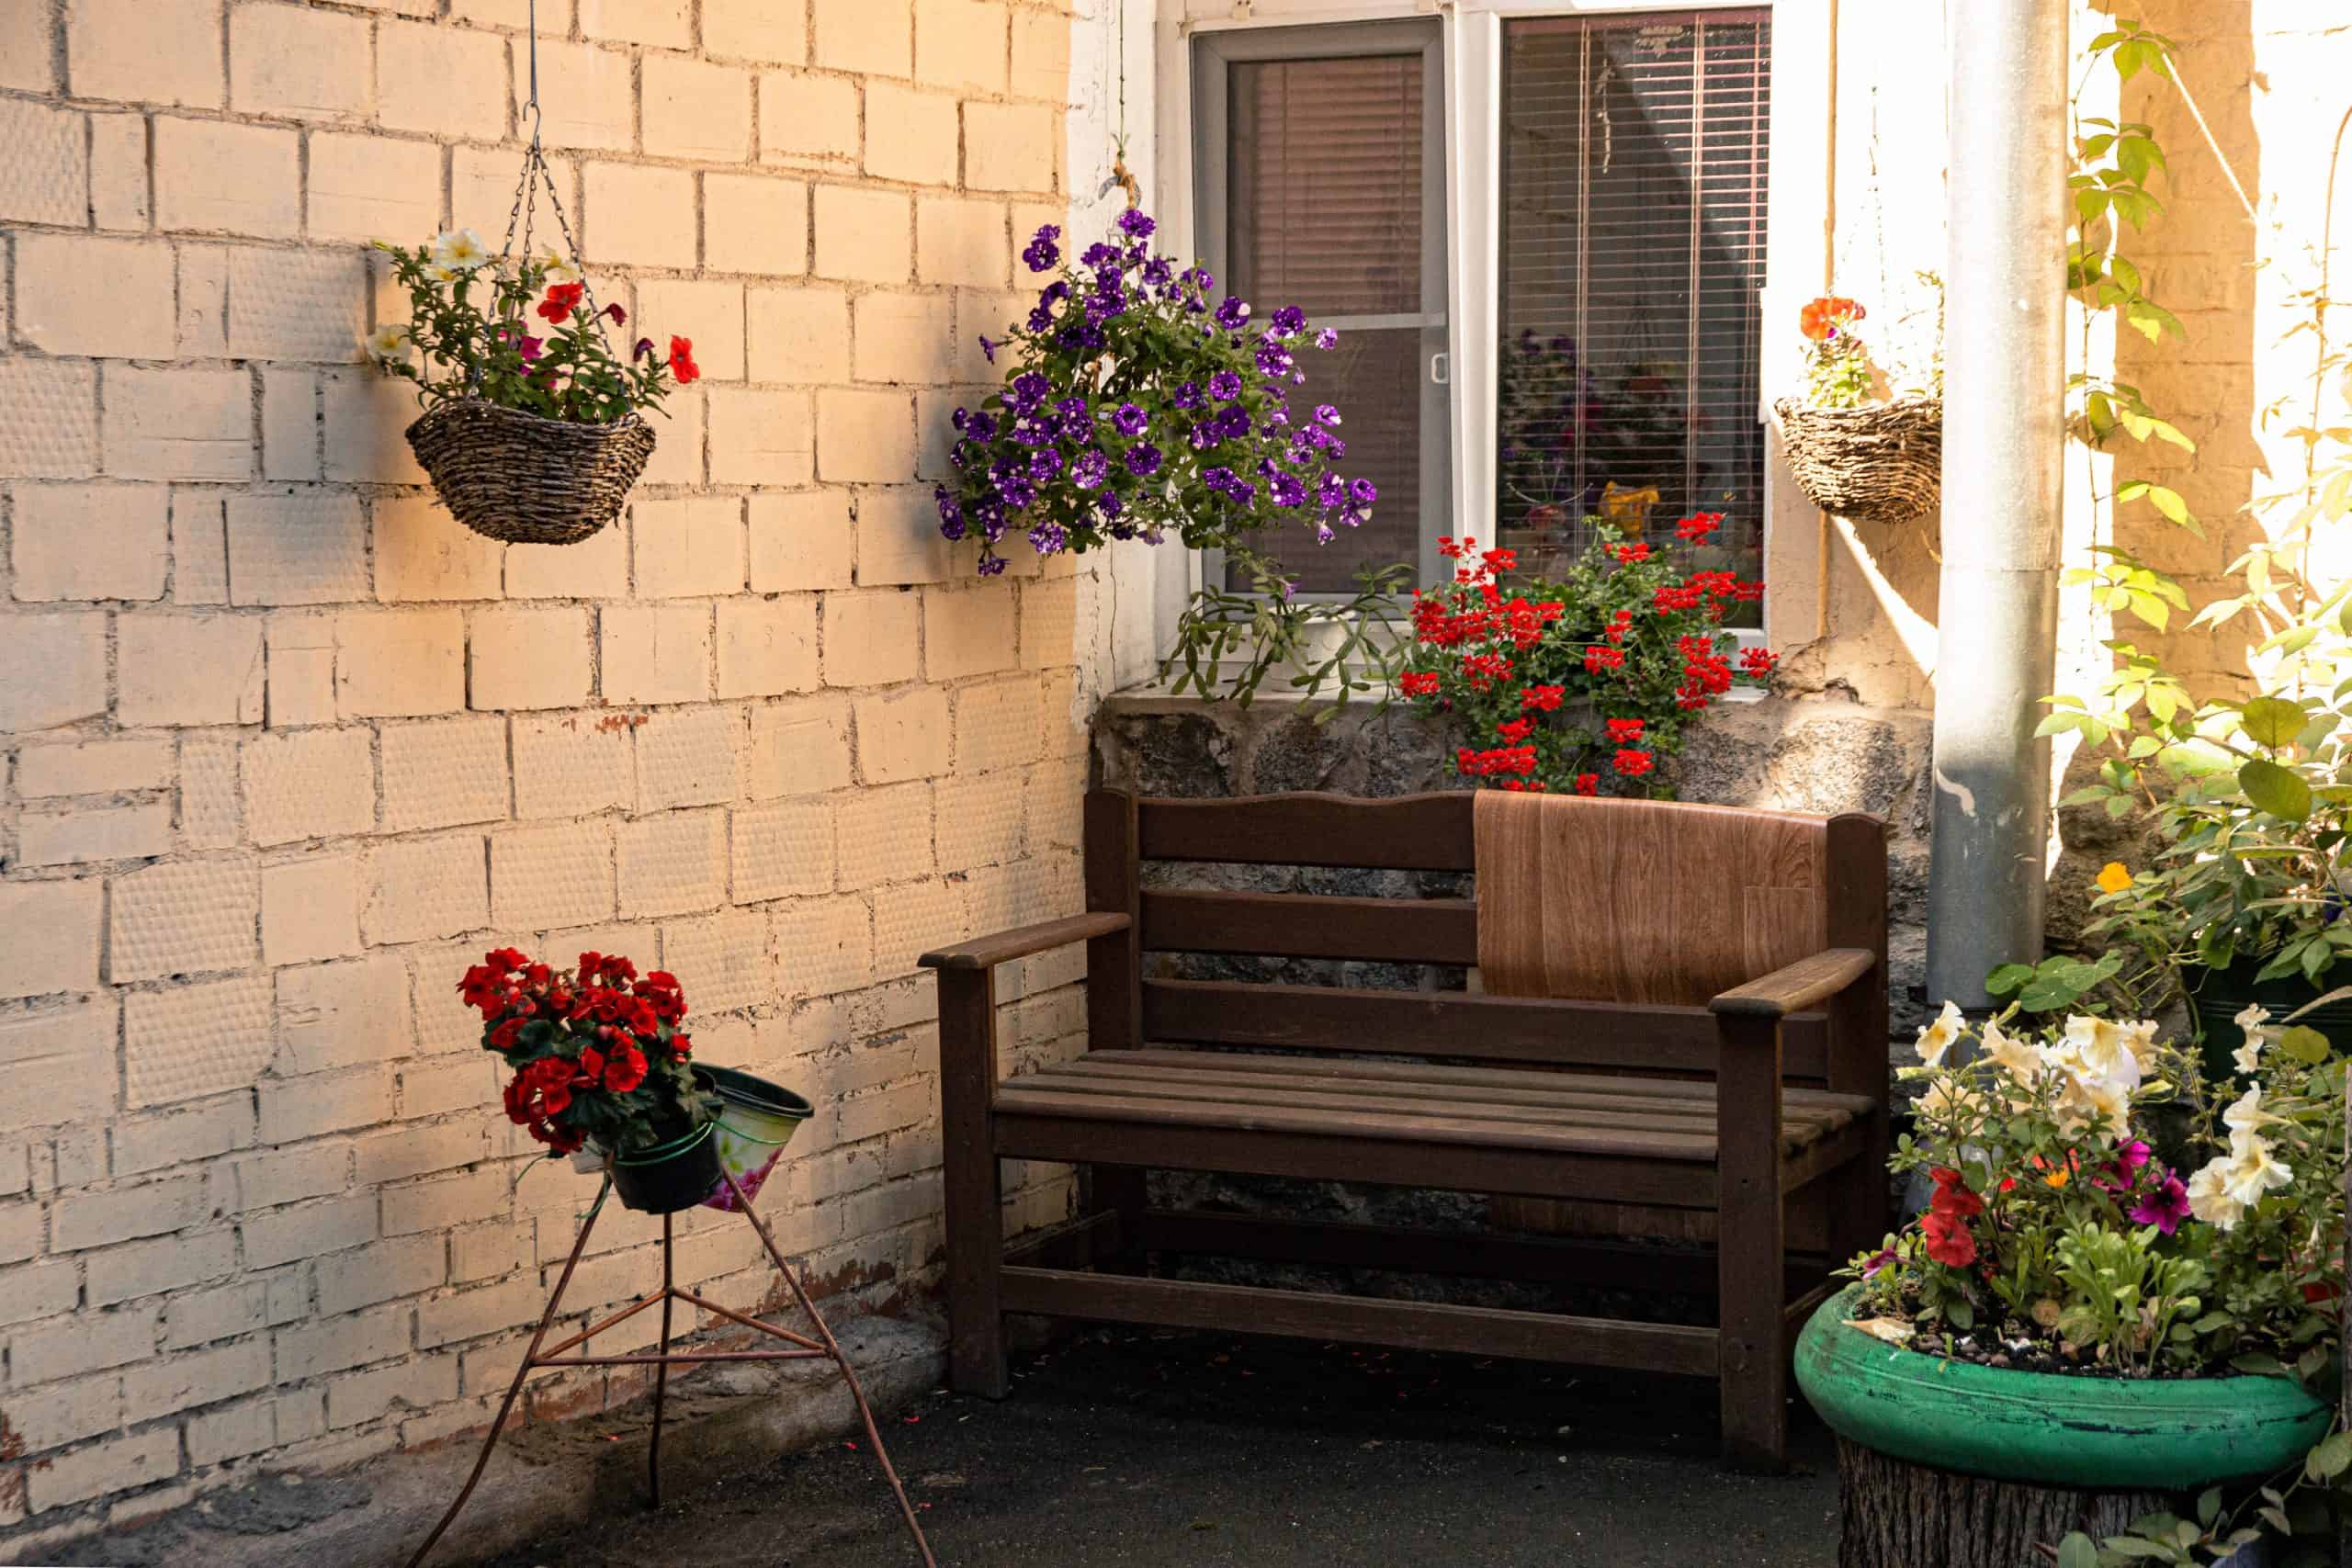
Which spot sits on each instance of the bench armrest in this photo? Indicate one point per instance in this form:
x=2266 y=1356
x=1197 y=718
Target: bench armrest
x=1798 y=986
x=987 y=952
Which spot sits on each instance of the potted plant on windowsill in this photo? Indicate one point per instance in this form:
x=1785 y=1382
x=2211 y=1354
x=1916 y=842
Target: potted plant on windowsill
x=533 y=429
x=2084 y=1331
x=1853 y=451
x=601 y=1060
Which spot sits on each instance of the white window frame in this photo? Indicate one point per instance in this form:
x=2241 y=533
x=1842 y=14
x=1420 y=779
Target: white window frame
x=1797 y=246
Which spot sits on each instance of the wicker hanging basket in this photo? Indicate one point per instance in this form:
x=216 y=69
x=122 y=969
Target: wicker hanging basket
x=527 y=480
x=1879 y=463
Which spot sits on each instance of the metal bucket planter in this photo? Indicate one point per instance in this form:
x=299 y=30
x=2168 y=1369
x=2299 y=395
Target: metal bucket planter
x=526 y=480
x=1947 y=1464
x=756 y=1119
x=2220 y=994
x=676 y=1172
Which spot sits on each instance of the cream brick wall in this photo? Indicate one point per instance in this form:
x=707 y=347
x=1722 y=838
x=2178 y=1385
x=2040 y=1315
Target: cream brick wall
x=283 y=747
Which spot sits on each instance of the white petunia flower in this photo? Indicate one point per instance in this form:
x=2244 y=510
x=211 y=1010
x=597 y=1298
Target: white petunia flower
x=2252 y=1170
x=557 y=270
x=2250 y=1021
x=460 y=250
x=2208 y=1197
x=2246 y=1115
x=2103 y=1050
x=1937 y=1038
x=388 y=341
x=2021 y=1058
x=1950 y=1098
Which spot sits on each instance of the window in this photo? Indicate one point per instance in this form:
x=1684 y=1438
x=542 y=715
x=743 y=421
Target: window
x=1627 y=259
x=1324 y=189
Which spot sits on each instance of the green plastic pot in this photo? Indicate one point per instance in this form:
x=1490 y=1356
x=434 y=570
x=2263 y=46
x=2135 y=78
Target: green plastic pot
x=2220 y=994
x=2111 y=1434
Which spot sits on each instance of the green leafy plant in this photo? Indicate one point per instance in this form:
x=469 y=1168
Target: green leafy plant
x=479 y=326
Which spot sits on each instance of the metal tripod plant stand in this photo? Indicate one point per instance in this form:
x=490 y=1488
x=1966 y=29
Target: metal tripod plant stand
x=802 y=1348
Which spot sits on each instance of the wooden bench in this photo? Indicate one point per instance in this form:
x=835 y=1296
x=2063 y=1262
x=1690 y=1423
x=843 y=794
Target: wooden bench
x=1756 y=1121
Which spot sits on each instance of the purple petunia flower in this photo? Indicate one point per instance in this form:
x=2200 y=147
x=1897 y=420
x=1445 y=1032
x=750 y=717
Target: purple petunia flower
x=1325 y=414
x=1109 y=505
x=1029 y=389
x=951 y=514
x=1224 y=385
x=1042 y=252
x=988 y=347
x=981 y=426
x=1129 y=419
x=1288 y=323
x=991 y=566
x=1327 y=338
x=1219 y=479
x=1043 y=465
x=1286 y=490
x=2164 y=1206
x=1143 y=459
x=1090 y=469
x=1273 y=359
x=1233 y=313
x=1188 y=396
x=1048 y=538
x=1135 y=225
x=1073 y=410
x=1363 y=492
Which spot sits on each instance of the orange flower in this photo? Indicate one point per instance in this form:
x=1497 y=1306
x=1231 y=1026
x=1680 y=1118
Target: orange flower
x=2052 y=1175
x=1827 y=316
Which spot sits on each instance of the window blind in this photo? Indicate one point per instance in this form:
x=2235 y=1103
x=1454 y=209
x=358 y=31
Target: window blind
x=1326 y=204
x=1633 y=194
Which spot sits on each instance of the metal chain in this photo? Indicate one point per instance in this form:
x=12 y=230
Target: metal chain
x=536 y=173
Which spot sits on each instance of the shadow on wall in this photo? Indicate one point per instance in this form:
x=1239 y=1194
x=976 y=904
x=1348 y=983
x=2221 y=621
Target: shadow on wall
x=2199 y=258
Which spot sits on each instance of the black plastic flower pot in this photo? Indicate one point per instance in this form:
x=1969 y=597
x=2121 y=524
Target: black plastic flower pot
x=677 y=1172
x=2220 y=994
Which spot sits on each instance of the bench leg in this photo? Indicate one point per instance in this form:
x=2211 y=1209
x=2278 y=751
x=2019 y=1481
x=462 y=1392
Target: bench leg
x=1750 y=1255
x=1119 y=1190
x=973 y=1182
x=1859 y=1209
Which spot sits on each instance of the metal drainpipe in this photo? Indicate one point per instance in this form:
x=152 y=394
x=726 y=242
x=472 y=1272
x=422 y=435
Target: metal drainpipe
x=2004 y=442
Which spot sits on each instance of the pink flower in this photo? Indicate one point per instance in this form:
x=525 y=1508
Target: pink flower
x=2165 y=1207
x=532 y=348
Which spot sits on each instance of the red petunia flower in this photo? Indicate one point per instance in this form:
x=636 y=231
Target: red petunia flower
x=1949 y=1242
x=1827 y=316
x=561 y=301
x=682 y=360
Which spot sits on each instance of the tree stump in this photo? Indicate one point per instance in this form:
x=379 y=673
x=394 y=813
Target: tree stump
x=1895 y=1514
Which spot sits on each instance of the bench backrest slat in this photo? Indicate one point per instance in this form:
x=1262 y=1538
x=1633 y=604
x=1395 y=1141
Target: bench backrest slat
x=1306 y=925
x=1450 y=1023
x=1406 y=832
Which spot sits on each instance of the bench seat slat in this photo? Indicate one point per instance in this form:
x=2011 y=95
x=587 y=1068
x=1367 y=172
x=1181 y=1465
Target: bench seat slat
x=1312 y=925
x=1469 y=1105
x=1617 y=1100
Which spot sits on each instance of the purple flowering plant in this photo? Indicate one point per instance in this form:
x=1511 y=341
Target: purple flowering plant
x=1138 y=402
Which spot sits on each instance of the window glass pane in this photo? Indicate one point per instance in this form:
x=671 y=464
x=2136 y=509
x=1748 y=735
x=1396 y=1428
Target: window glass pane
x=1633 y=185
x=1373 y=379
x=1325 y=207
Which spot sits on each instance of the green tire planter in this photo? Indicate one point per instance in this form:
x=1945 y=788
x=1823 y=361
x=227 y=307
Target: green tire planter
x=2167 y=1434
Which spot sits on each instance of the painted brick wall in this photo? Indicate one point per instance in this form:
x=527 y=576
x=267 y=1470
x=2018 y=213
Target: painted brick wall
x=285 y=745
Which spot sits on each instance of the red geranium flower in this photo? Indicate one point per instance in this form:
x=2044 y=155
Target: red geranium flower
x=682 y=360
x=1632 y=765
x=1542 y=699
x=1418 y=683
x=1587 y=784
x=1624 y=731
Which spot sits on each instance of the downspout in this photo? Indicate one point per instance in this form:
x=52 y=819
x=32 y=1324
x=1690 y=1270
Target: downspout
x=2004 y=441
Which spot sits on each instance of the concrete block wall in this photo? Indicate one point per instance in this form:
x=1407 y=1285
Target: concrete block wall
x=285 y=746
